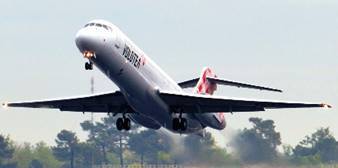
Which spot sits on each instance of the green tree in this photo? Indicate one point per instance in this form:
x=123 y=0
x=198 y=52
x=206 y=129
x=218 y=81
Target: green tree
x=44 y=155
x=321 y=144
x=23 y=155
x=35 y=164
x=106 y=138
x=150 y=144
x=66 y=144
x=6 y=152
x=196 y=149
x=204 y=152
x=87 y=155
x=259 y=143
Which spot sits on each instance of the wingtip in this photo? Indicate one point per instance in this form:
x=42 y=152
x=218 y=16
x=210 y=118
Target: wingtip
x=325 y=105
x=275 y=90
x=5 y=105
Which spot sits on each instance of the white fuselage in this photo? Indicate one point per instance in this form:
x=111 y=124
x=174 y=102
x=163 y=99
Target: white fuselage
x=136 y=75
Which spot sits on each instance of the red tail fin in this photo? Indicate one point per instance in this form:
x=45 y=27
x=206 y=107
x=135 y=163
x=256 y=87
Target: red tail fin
x=203 y=85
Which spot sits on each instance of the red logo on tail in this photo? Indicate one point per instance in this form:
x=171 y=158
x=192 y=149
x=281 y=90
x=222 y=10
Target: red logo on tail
x=205 y=87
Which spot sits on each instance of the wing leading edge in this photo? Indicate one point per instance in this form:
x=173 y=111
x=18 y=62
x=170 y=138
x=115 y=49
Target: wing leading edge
x=195 y=103
x=99 y=103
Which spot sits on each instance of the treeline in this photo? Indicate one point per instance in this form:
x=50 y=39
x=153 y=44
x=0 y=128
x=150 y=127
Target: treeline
x=105 y=145
x=260 y=144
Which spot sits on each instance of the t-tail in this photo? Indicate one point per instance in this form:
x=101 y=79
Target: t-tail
x=205 y=86
x=208 y=87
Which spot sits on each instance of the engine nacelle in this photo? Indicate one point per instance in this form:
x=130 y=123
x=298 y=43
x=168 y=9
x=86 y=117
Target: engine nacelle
x=213 y=120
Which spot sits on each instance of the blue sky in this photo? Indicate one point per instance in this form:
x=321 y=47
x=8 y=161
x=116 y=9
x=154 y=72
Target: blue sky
x=291 y=45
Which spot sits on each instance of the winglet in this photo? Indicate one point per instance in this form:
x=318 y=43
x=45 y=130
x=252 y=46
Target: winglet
x=325 y=105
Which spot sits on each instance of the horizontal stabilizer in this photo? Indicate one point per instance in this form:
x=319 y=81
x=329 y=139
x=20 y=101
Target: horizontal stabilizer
x=189 y=83
x=193 y=82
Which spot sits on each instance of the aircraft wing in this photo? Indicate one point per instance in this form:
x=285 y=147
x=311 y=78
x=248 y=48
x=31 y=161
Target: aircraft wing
x=193 y=82
x=99 y=103
x=195 y=103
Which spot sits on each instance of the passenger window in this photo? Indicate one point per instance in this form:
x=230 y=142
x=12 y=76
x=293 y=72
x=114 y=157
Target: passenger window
x=92 y=24
x=86 y=25
x=104 y=26
x=99 y=25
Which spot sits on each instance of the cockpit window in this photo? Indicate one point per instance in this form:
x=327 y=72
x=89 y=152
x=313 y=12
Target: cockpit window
x=99 y=25
x=106 y=27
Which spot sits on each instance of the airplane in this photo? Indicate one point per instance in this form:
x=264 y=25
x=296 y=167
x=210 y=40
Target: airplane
x=147 y=95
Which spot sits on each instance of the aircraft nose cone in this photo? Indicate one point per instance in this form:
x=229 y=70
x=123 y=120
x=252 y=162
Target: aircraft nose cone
x=85 y=40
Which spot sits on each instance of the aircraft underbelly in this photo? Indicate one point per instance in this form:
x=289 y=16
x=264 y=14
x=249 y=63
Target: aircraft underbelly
x=145 y=121
x=140 y=93
x=135 y=88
